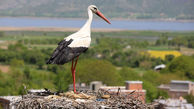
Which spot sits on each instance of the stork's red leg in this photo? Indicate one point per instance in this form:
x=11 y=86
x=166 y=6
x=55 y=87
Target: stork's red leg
x=73 y=67
x=73 y=74
x=76 y=62
x=72 y=71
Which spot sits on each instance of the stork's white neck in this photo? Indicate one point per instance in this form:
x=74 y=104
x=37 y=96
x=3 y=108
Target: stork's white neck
x=87 y=26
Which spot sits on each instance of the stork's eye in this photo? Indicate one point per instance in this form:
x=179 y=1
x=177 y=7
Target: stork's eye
x=95 y=8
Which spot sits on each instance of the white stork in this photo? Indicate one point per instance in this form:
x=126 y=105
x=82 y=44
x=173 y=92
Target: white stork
x=75 y=44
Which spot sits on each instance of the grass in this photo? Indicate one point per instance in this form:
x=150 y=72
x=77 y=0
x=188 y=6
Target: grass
x=41 y=46
x=15 y=38
x=139 y=70
x=144 y=33
x=161 y=48
x=125 y=34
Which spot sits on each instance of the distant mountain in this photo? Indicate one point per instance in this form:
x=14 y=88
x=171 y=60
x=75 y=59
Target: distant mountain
x=133 y=9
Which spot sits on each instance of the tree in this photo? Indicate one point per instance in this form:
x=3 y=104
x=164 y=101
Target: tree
x=146 y=64
x=16 y=63
x=62 y=80
x=27 y=73
x=41 y=63
x=163 y=94
x=182 y=65
x=97 y=70
x=163 y=39
x=151 y=91
x=17 y=47
x=128 y=74
x=169 y=58
x=151 y=76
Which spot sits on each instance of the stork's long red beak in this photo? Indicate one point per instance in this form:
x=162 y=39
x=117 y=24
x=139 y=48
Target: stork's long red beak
x=102 y=16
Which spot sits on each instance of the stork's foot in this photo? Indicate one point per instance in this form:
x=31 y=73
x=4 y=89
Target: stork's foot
x=76 y=95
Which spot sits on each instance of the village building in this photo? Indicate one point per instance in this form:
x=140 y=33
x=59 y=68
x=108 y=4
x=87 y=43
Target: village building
x=177 y=89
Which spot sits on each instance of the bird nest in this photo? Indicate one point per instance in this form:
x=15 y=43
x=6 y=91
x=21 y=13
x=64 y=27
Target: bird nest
x=81 y=100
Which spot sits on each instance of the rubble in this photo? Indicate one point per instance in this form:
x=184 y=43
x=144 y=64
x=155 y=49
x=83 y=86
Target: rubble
x=82 y=100
x=169 y=103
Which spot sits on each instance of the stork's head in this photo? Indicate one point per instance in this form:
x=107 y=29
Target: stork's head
x=95 y=10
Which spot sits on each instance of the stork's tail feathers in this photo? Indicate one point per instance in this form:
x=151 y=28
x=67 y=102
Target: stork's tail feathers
x=50 y=61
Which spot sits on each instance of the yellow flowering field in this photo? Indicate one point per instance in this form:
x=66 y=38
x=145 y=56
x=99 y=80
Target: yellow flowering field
x=162 y=54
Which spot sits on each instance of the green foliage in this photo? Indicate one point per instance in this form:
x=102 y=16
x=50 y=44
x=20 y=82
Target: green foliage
x=153 y=79
x=97 y=70
x=2 y=34
x=151 y=91
x=17 y=47
x=12 y=83
x=182 y=41
x=162 y=94
x=128 y=74
x=169 y=58
x=163 y=40
x=16 y=63
x=27 y=73
x=40 y=41
x=190 y=98
x=53 y=68
x=152 y=76
x=183 y=66
x=62 y=80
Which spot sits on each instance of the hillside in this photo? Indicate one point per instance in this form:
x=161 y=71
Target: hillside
x=133 y=9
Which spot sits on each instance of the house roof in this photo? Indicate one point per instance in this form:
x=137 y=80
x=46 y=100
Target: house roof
x=178 y=90
x=164 y=86
x=180 y=81
x=139 y=82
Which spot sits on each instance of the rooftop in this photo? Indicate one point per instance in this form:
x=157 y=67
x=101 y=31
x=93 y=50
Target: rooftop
x=178 y=90
x=138 y=82
x=181 y=81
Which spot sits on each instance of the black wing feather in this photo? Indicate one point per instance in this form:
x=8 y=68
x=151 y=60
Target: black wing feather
x=58 y=51
x=64 y=54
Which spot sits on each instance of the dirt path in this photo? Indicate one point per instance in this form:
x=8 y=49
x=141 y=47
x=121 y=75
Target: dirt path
x=51 y=29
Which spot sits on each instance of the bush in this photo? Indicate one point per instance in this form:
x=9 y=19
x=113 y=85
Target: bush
x=128 y=74
x=16 y=63
x=190 y=99
x=151 y=91
x=183 y=66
